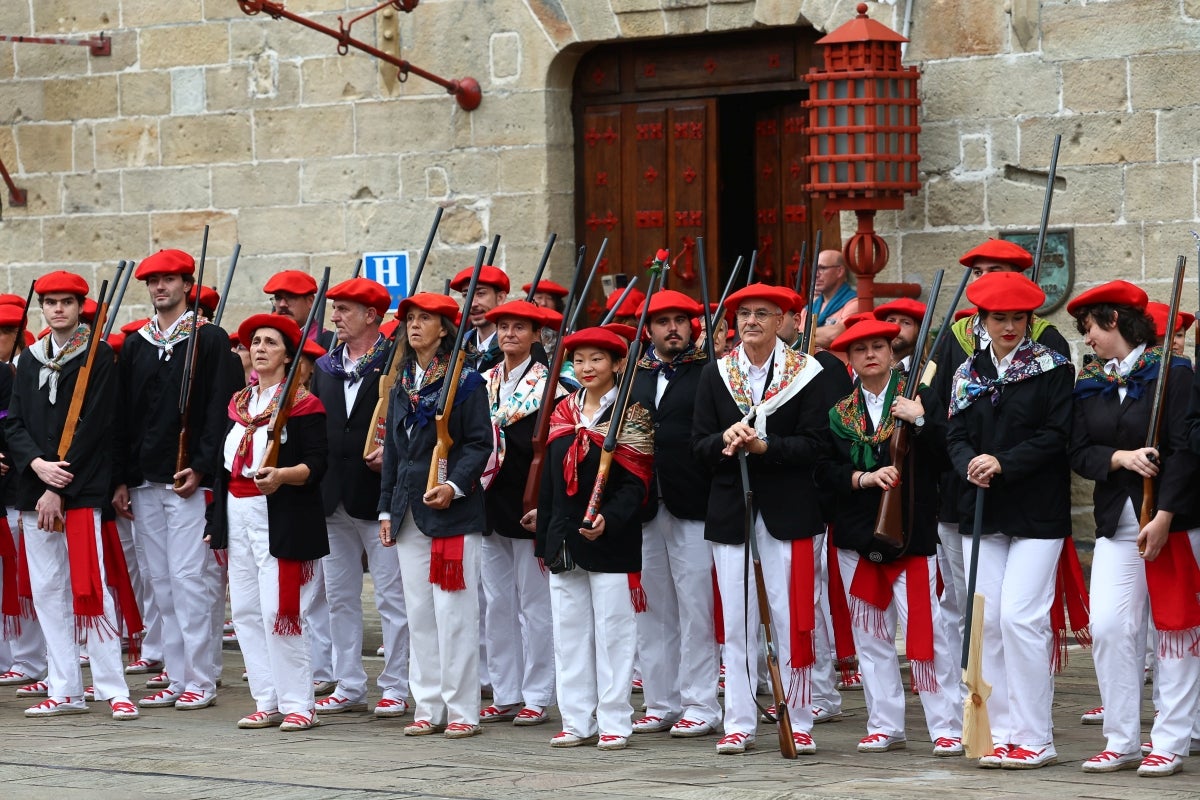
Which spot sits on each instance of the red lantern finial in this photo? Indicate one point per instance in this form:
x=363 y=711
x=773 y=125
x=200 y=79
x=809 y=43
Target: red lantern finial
x=862 y=9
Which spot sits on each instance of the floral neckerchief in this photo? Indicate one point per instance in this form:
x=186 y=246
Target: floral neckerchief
x=525 y=400
x=153 y=334
x=422 y=399
x=1094 y=379
x=239 y=411
x=848 y=420
x=371 y=359
x=1029 y=360
x=782 y=375
x=52 y=364
x=651 y=361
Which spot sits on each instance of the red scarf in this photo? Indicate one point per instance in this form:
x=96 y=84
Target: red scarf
x=86 y=587
x=24 y=586
x=718 y=610
x=292 y=575
x=839 y=614
x=239 y=411
x=1070 y=593
x=446 y=563
x=802 y=611
x=116 y=574
x=1174 y=580
x=870 y=595
x=10 y=605
x=567 y=420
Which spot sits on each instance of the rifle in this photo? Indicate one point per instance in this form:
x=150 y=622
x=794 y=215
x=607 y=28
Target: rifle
x=1041 y=238
x=618 y=412
x=783 y=718
x=800 y=272
x=810 y=322
x=612 y=312
x=357 y=268
x=541 y=426
x=189 y=371
x=445 y=403
x=113 y=303
x=753 y=261
x=491 y=256
x=391 y=368
x=19 y=339
x=889 y=527
x=283 y=410
x=708 y=318
x=1196 y=354
x=220 y=311
x=977 y=728
x=537 y=276
x=581 y=300
x=75 y=410
x=1160 y=390
x=737 y=267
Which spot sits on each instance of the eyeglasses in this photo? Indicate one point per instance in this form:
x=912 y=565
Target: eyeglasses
x=759 y=314
x=823 y=267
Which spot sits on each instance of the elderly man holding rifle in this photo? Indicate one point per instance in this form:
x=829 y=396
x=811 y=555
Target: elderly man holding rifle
x=66 y=392
x=165 y=486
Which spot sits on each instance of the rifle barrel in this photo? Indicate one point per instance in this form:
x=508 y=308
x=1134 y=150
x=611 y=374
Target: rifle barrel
x=612 y=312
x=708 y=320
x=1040 y=248
x=581 y=301
x=537 y=276
x=219 y=314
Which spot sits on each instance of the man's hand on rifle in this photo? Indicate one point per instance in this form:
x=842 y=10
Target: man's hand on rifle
x=740 y=436
x=438 y=498
x=375 y=460
x=593 y=533
x=121 y=502
x=188 y=481
x=49 y=510
x=52 y=473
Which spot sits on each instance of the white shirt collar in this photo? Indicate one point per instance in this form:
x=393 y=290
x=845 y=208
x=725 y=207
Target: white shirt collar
x=874 y=404
x=1122 y=366
x=607 y=400
x=1003 y=364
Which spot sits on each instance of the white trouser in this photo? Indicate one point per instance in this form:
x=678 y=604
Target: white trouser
x=1016 y=578
x=824 y=675
x=485 y=676
x=741 y=714
x=520 y=627
x=27 y=652
x=880 y=666
x=186 y=582
x=317 y=624
x=1120 y=603
x=151 y=644
x=443 y=628
x=50 y=579
x=348 y=538
x=595 y=637
x=954 y=590
x=676 y=646
x=277 y=666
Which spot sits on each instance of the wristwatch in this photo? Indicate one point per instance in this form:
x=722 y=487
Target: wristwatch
x=919 y=422
x=765 y=439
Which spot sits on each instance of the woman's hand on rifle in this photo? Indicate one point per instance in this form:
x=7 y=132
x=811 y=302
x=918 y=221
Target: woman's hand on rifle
x=1153 y=537
x=883 y=478
x=908 y=410
x=375 y=460
x=1143 y=461
x=52 y=473
x=187 y=482
x=740 y=436
x=981 y=468
x=50 y=511
x=593 y=533
x=439 y=497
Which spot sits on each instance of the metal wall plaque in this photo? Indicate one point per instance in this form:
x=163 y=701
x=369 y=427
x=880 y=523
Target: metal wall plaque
x=1057 y=275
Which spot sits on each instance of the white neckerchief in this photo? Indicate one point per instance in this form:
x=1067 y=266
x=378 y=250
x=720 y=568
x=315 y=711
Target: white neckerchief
x=1122 y=367
x=874 y=404
x=607 y=400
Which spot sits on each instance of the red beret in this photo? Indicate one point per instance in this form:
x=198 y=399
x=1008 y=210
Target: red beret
x=963 y=313
x=999 y=250
x=1159 y=311
x=905 y=305
x=12 y=300
x=235 y=340
x=208 y=297
x=864 y=330
x=60 y=282
x=779 y=295
x=671 y=300
x=30 y=339
x=10 y=316
x=291 y=281
x=428 y=301
x=598 y=338
x=88 y=312
x=135 y=326
x=861 y=316
x=165 y=262
x=521 y=309
x=388 y=329
x=1117 y=293
x=312 y=349
x=42 y=333
x=633 y=301
x=369 y=293
x=551 y=318
x=488 y=276
x=1005 y=291
x=116 y=340
x=626 y=332
x=549 y=287
x=285 y=325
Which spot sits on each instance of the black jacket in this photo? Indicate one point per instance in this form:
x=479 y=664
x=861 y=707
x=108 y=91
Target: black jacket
x=148 y=419
x=679 y=478
x=1102 y=424
x=785 y=492
x=295 y=518
x=34 y=429
x=619 y=548
x=1027 y=432
x=504 y=499
x=406 y=463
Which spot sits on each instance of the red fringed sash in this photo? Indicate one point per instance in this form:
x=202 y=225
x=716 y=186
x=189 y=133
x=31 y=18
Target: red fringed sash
x=871 y=591
x=86 y=588
x=637 y=595
x=839 y=614
x=10 y=605
x=292 y=575
x=1070 y=593
x=446 y=563
x=24 y=586
x=718 y=610
x=116 y=575
x=1173 y=580
x=802 y=610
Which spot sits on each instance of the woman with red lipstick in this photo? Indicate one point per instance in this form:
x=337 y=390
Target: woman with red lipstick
x=1010 y=419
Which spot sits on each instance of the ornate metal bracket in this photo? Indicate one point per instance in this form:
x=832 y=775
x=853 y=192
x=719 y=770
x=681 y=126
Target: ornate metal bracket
x=466 y=91
x=16 y=197
x=98 y=45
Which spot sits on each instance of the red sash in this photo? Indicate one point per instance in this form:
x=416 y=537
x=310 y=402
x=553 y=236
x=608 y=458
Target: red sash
x=871 y=592
x=1173 y=580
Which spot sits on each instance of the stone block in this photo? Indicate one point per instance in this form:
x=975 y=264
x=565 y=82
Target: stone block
x=8 y=66
x=187 y=91
x=1160 y=191
x=1106 y=252
x=730 y=16
x=991 y=82
x=85 y=147
x=92 y=193
x=295 y=229
x=504 y=56
x=1162 y=244
x=81 y=98
x=166 y=189
x=525 y=169
x=642 y=24
x=337 y=79
x=1163 y=81
x=49 y=61
x=940 y=148
x=472 y=172
x=952 y=29
x=8 y=145
x=124 y=56
x=682 y=21
x=206 y=139
x=61 y=17
x=127 y=143
x=303 y=132
x=1123 y=28
x=389 y=226
x=632 y=6
x=144 y=13
x=252 y=186
x=341 y=180
x=183 y=46
x=975 y=152
x=954 y=202
x=1083 y=195
x=21 y=101
x=1089 y=139
x=84 y=238
x=437 y=183
x=15 y=17
x=589 y=26
x=399 y=126
x=462 y=225
x=522 y=119
x=20 y=239
x=144 y=94
x=44 y=148
x=185 y=230
x=514 y=215
x=265 y=83
x=1096 y=85
x=43 y=196
x=1178 y=134
x=925 y=251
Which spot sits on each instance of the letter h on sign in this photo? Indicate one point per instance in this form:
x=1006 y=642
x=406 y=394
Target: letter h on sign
x=390 y=269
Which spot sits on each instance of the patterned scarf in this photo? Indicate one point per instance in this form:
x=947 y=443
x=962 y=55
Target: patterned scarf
x=422 y=400
x=792 y=372
x=333 y=362
x=239 y=411
x=824 y=310
x=848 y=420
x=525 y=400
x=1029 y=360
x=651 y=361
x=965 y=334
x=1094 y=379
x=635 y=442
x=153 y=334
x=52 y=365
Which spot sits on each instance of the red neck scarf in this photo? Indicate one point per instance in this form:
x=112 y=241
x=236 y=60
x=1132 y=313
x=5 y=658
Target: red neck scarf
x=567 y=420
x=1174 y=580
x=870 y=595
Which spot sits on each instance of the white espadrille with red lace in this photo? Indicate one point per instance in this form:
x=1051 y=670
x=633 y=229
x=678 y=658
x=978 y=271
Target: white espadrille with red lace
x=1111 y=761
x=14 y=678
x=422 y=727
x=461 y=730
x=160 y=681
x=338 y=704
x=1093 y=717
x=994 y=759
x=390 y=707
x=568 y=739
x=531 y=715
x=651 y=724
x=191 y=701
x=881 y=743
x=143 y=666
x=946 y=746
x=299 y=722
x=735 y=743
x=162 y=699
x=58 y=707
x=691 y=728
x=612 y=741
x=805 y=745
x=260 y=719
x=122 y=709
x=496 y=713
x=1159 y=765
x=37 y=689
x=1021 y=757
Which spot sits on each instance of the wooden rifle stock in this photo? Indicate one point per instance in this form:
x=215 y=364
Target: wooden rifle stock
x=182 y=452
x=1160 y=391
x=977 y=729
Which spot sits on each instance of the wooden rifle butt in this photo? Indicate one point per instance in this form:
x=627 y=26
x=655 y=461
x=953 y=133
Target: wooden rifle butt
x=529 y=499
x=181 y=455
x=783 y=719
x=593 y=509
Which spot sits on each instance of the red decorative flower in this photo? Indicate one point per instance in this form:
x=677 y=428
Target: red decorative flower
x=662 y=255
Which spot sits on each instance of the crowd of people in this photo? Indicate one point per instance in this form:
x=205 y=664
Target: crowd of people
x=562 y=556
